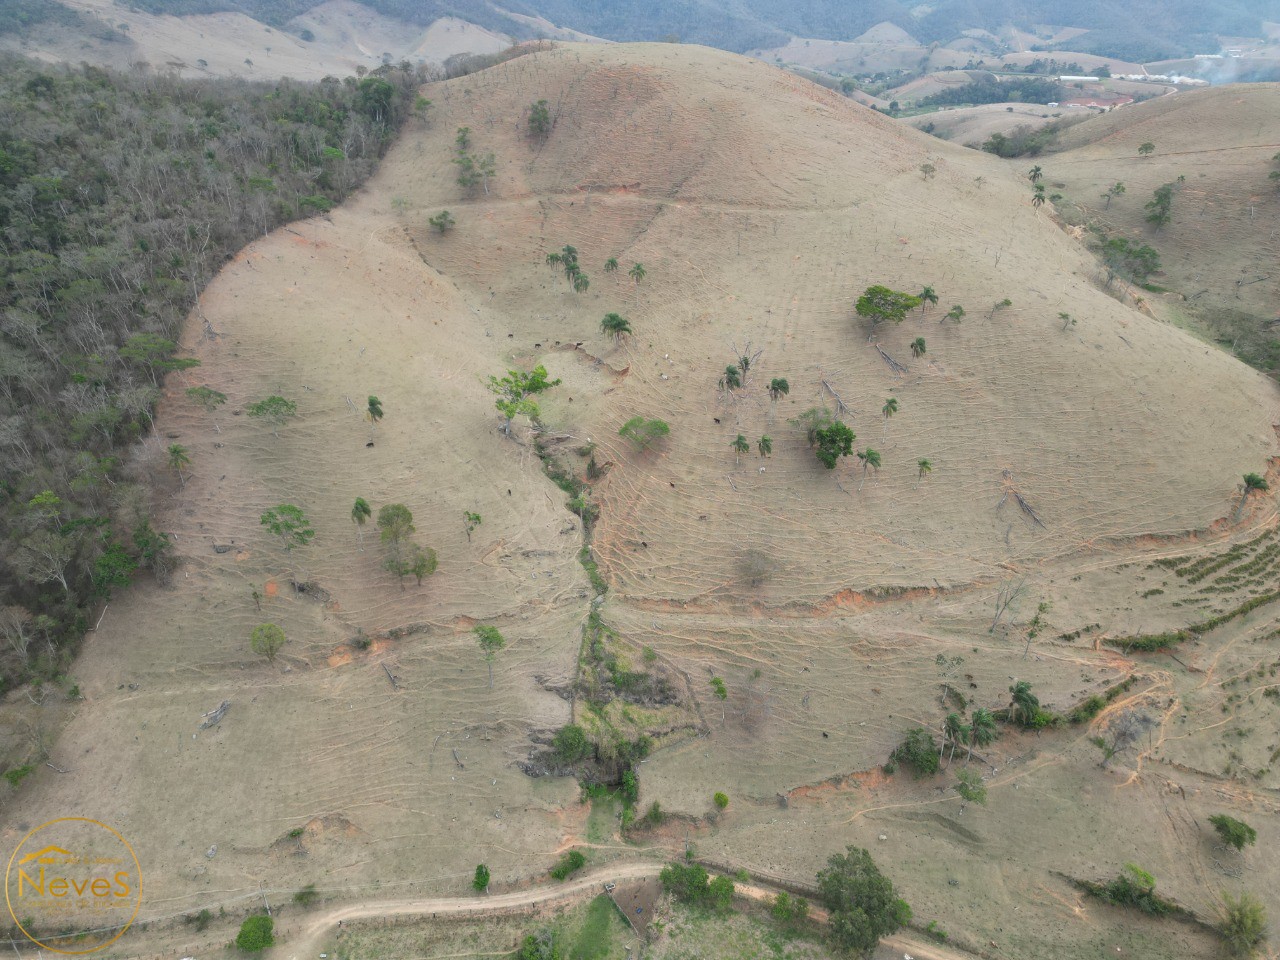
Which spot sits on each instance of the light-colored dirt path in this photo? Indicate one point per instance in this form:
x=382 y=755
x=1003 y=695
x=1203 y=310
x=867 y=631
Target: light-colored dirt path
x=307 y=944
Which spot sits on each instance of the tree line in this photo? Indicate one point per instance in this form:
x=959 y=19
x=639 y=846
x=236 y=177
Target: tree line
x=121 y=195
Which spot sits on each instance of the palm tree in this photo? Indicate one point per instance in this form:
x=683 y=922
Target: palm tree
x=1252 y=482
x=636 y=272
x=982 y=729
x=765 y=445
x=918 y=348
x=869 y=458
x=956 y=313
x=732 y=378
x=178 y=459
x=927 y=297
x=1037 y=198
x=616 y=325
x=553 y=259
x=374 y=414
x=778 y=387
x=889 y=409
x=611 y=265
x=1067 y=320
x=923 y=466
x=955 y=732
x=1026 y=705
x=580 y=282
x=360 y=513
x=740 y=446
x=1035 y=174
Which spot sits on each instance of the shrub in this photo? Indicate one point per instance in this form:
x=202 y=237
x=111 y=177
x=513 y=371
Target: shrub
x=720 y=894
x=919 y=751
x=571 y=861
x=480 y=882
x=256 y=933
x=442 y=221
x=654 y=816
x=789 y=911
x=721 y=800
x=570 y=744
x=1135 y=888
x=1242 y=924
x=1234 y=832
x=686 y=882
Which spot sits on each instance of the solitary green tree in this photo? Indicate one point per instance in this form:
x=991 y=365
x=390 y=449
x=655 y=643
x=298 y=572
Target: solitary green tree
x=879 y=303
x=644 y=433
x=778 y=388
x=1025 y=706
x=289 y=524
x=1233 y=832
x=888 y=410
x=491 y=641
x=732 y=378
x=616 y=326
x=955 y=732
x=862 y=905
x=870 y=460
x=178 y=459
x=275 y=410
x=765 y=446
x=1115 y=190
x=834 y=441
x=1161 y=206
x=611 y=265
x=481 y=880
x=1253 y=483
x=923 y=466
x=443 y=221
x=982 y=729
x=515 y=390
x=918 y=347
x=395 y=524
x=927 y=297
x=1035 y=174
x=956 y=313
x=373 y=414
x=266 y=640
x=360 y=514
x=740 y=446
x=470 y=521
x=970 y=786
x=540 y=121
x=637 y=272
x=1146 y=149
x=422 y=562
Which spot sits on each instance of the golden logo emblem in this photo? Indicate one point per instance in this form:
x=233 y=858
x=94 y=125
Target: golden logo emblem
x=73 y=885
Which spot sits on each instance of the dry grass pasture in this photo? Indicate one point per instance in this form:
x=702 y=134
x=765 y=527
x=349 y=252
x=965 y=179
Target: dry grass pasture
x=1219 y=251
x=760 y=206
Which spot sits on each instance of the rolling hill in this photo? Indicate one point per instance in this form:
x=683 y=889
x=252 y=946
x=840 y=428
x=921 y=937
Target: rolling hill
x=1083 y=487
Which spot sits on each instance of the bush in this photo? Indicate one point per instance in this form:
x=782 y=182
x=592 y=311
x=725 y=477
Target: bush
x=570 y=744
x=570 y=862
x=789 y=911
x=644 y=433
x=720 y=894
x=861 y=902
x=1234 y=832
x=1135 y=888
x=256 y=933
x=655 y=816
x=306 y=896
x=1242 y=924
x=688 y=883
x=919 y=751
x=721 y=800
x=442 y=221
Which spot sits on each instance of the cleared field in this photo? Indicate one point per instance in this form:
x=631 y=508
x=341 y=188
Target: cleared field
x=760 y=206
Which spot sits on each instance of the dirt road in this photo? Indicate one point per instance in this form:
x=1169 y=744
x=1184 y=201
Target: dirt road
x=306 y=944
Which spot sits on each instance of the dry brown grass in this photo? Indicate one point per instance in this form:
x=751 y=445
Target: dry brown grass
x=761 y=206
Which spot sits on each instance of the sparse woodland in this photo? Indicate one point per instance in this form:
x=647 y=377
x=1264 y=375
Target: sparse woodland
x=121 y=195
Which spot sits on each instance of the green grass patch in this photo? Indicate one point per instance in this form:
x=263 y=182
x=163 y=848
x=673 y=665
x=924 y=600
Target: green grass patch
x=594 y=939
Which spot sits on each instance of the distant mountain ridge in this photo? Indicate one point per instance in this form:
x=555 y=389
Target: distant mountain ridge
x=1139 y=30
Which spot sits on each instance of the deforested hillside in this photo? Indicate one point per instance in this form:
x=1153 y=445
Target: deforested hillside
x=1218 y=152
x=510 y=539
x=761 y=207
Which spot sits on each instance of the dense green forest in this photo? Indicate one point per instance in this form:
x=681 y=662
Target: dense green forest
x=120 y=196
x=989 y=89
x=20 y=16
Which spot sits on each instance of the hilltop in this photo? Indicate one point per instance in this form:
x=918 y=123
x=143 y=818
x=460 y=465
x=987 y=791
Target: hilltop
x=1083 y=488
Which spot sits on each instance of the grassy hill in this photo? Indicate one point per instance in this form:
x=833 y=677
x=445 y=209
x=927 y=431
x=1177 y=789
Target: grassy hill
x=836 y=610
x=1217 y=251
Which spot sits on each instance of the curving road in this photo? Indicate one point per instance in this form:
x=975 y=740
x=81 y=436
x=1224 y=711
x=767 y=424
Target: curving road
x=305 y=944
